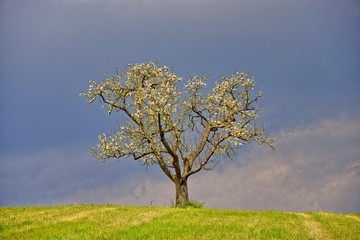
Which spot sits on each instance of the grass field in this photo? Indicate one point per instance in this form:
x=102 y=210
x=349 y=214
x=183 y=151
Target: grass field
x=118 y=222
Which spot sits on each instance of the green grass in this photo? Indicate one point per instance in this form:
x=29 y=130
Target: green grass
x=118 y=222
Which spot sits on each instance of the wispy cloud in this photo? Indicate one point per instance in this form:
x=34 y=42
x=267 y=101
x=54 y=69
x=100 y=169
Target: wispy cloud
x=315 y=168
x=49 y=176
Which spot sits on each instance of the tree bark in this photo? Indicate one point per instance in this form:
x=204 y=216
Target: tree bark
x=182 y=195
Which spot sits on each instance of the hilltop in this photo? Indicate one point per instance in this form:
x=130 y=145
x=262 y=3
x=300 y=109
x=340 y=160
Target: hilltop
x=120 y=222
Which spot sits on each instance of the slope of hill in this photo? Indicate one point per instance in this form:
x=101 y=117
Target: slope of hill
x=119 y=222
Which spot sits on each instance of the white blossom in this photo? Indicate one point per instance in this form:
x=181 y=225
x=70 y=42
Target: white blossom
x=163 y=125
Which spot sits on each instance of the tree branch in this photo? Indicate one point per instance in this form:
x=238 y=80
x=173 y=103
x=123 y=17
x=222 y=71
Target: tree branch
x=168 y=148
x=208 y=157
x=200 y=147
x=121 y=108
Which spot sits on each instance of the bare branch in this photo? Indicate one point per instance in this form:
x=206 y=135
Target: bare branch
x=124 y=109
x=168 y=149
x=208 y=157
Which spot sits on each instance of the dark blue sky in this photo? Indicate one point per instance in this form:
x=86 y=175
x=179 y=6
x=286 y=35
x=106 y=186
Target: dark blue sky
x=304 y=55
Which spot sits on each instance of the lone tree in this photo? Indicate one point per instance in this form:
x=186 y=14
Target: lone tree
x=183 y=131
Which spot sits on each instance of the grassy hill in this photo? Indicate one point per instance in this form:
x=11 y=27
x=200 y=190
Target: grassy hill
x=118 y=222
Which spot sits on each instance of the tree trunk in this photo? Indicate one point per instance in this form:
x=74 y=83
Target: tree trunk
x=182 y=195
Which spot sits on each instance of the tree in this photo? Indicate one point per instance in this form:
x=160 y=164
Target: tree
x=182 y=131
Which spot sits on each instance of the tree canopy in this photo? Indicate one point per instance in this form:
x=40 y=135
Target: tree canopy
x=182 y=128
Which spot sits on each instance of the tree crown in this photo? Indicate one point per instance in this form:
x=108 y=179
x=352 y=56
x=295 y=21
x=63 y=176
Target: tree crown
x=182 y=130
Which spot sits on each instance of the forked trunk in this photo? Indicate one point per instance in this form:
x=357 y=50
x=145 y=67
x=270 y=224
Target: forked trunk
x=182 y=195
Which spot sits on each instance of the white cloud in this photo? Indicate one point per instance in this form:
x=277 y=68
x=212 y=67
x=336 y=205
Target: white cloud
x=135 y=192
x=48 y=176
x=315 y=168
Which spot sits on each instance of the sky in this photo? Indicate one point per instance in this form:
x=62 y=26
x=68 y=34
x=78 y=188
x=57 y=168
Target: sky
x=304 y=56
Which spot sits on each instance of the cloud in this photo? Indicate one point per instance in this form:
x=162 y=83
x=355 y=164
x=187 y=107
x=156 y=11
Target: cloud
x=49 y=176
x=315 y=168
